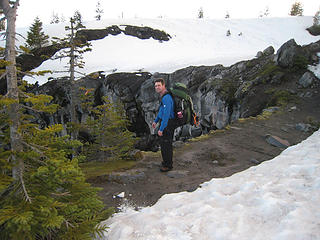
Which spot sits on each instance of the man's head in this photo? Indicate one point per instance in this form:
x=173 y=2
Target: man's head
x=160 y=86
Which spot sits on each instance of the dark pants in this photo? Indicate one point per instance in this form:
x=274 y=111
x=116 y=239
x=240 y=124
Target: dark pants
x=166 y=144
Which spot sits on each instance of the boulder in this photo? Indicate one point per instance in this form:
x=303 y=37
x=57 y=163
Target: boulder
x=287 y=53
x=307 y=79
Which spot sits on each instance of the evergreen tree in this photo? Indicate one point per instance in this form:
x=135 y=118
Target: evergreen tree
x=43 y=194
x=52 y=199
x=99 y=11
x=2 y=25
x=77 y=20
x=108 y=124
x=296 y=9
x=36 y=38
x=200 y=13
x=316 y=18
x=227 y=15
x=54 y=18
x=74 y=49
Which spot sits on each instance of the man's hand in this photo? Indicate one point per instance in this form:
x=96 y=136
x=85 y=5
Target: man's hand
x=160 y=133
x=154 y=125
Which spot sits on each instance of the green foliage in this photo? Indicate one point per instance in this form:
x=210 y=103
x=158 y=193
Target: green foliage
x=36 y=38
x=108 y=124
x=300 y=63
x=96 y=169
x=296 y=9
x=269 y=69
x=50 y=199
x=280 y=97
x=73 y=48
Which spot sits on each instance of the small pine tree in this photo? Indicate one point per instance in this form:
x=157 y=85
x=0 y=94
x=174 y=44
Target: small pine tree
x=74 y=49
x=200 y=13
x=36 y=38
x=2 y=25
x=108 y=124
x=296 y=9
x=316 y=18
x=99 y=11
x=51 y=199
x=228 y=33
x=227 y=15
x=54 y=18
x=77 y=18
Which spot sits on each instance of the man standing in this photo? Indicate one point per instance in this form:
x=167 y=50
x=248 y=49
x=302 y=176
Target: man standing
x=167 y=124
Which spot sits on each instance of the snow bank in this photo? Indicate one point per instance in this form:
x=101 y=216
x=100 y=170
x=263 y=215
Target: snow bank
x=278 y=199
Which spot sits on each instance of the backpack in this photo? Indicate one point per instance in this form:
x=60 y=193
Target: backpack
x=183 y=106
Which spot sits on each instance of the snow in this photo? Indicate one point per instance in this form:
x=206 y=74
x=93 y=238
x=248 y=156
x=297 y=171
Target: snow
x=278 y=199
x=194 y=42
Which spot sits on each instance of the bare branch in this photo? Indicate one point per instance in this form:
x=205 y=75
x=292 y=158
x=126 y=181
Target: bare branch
x=28 y=199
x=31 y=109
x=4 y=74
x=33 y=148
x=61 y=194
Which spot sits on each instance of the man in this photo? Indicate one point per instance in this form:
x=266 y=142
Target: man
x=167 y=125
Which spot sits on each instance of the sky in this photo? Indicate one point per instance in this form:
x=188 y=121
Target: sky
x=30 y=9
x=277 y=199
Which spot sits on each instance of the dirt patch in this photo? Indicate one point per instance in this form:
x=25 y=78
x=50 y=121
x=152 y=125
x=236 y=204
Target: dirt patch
x=219 y=154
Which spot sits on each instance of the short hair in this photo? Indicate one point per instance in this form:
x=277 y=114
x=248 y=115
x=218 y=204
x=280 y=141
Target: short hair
x=161 y=80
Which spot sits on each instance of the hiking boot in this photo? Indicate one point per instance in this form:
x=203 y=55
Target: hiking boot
x=165 y=169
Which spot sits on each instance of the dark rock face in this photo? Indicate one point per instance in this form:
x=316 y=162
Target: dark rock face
x=220 y=94
x=287 y=53
x=139 y=32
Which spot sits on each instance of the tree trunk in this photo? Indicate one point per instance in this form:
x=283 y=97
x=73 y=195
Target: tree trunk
x=12 y=85
x=74 y=133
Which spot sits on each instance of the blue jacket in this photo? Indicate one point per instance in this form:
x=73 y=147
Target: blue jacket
x=166 y=111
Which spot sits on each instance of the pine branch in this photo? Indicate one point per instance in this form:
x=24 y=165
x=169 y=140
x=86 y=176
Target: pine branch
x=23 y=94
x=34 y=148
x=4 y=74
x=61 y=194
x=68 y=224
x=31 y=109
x=28 y=199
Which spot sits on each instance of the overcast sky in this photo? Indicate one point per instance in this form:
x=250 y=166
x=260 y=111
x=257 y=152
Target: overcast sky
x=29 y=9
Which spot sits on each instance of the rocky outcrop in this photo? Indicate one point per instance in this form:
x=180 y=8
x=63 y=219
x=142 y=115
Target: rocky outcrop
x=220 y=94
x=136 y=31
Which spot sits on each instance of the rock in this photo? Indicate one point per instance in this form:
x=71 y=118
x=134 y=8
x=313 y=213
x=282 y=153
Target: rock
x=129 y=176
x=303 y=127
x=286 y=54
x=307 y=79
x=268 y=51
x=259 y=54
x=271 y=109
x=177 y=174
x=276 y=141
x=254 y=161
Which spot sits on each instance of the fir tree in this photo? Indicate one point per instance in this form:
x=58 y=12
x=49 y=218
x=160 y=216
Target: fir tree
x=36 y=38
x=296 y=9
x=54 y=18
x=316 y=18
x=43 y=194
x=77 y=20
x=200 y=13
x=74 y=49
x=99 y=11
x=53 y=201
x=108 y=124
